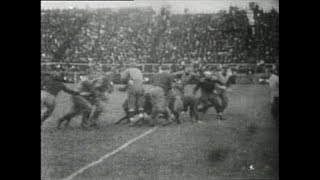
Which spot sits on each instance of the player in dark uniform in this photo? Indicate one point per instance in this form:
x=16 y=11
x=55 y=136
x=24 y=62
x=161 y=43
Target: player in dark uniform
x=102 y=85
x=208 y=98
x=50 y=87
x=161 y=93
x=185 y=76
x=94 y=86
x=180 y=102
x=81 y=105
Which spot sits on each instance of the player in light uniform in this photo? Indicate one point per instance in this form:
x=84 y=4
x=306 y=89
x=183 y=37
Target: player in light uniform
x=274 y=91
x=223 y=77
x=133 y=78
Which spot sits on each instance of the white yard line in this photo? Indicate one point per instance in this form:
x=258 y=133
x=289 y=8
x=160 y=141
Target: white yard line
x=106 y=156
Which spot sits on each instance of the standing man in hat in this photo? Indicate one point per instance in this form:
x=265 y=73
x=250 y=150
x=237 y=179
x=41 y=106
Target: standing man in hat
x=274 y=91
x=133 y=78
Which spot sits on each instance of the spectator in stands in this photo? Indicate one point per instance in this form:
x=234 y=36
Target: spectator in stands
x=115 y=37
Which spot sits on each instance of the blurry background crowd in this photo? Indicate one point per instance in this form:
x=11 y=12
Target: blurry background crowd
x=77 y=37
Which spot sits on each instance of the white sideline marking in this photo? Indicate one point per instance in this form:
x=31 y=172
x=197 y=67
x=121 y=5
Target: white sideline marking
x=110 y=154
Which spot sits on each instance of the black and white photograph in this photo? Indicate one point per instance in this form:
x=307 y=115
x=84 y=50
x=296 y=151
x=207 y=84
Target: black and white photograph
x=160 y=90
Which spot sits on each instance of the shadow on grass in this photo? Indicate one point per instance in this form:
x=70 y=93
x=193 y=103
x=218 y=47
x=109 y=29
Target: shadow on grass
x=219 y=155
x=252 y=129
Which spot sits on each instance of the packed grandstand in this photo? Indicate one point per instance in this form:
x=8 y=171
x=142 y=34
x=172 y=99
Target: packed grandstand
x=73 y=38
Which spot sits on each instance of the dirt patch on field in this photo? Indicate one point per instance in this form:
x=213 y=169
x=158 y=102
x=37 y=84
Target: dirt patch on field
x=252 y=129
x=219 y=155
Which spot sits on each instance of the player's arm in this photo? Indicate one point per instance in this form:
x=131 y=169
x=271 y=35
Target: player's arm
x=220 y=78
x=44 y=82
x=225 y=79
x=197 y=87
x=193 y=74
x=124 y=76
x=214 y=77
x=69 y=91
x=178 y=73
x=123 y=88
x=192 y=79
x=86 y=89
x=219 y=85
x=151 y=80
x=171 y=81
x=218 y=81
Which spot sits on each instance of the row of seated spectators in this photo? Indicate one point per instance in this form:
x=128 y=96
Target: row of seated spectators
x=142 y=34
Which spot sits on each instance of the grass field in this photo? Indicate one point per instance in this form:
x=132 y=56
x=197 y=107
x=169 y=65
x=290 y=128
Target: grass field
x=211 y=150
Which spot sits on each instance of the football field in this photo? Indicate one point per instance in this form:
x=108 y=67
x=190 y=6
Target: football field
x=245 y=146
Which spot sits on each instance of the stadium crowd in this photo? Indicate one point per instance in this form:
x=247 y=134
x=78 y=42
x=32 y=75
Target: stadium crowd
x=116 y=37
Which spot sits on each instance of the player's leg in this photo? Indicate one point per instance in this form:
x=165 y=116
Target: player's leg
x=157 y=102
x=177 y=117
x=47 y=113
x=65 y=118
x=49 y=102
x=126 y=110
x=96 y=112
x=43 y=107
x=100 y=105
x=194 y=109
x=154 y=117
x=155 y=107
x=225 y=100
x=85 y=119
x=220 y=102
x=139 y=109
x=178 y=108
x=140 y=102
x=203 y=105
x=224 y=104
x=216 y=102
x=168 y=97
x=168 y=116
x=131 y=104
x=164 y=99
x=275 y=109
x=77 y=108
x=147 y=104
x=80 y=106
x=203 y=102
x=68 y=120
